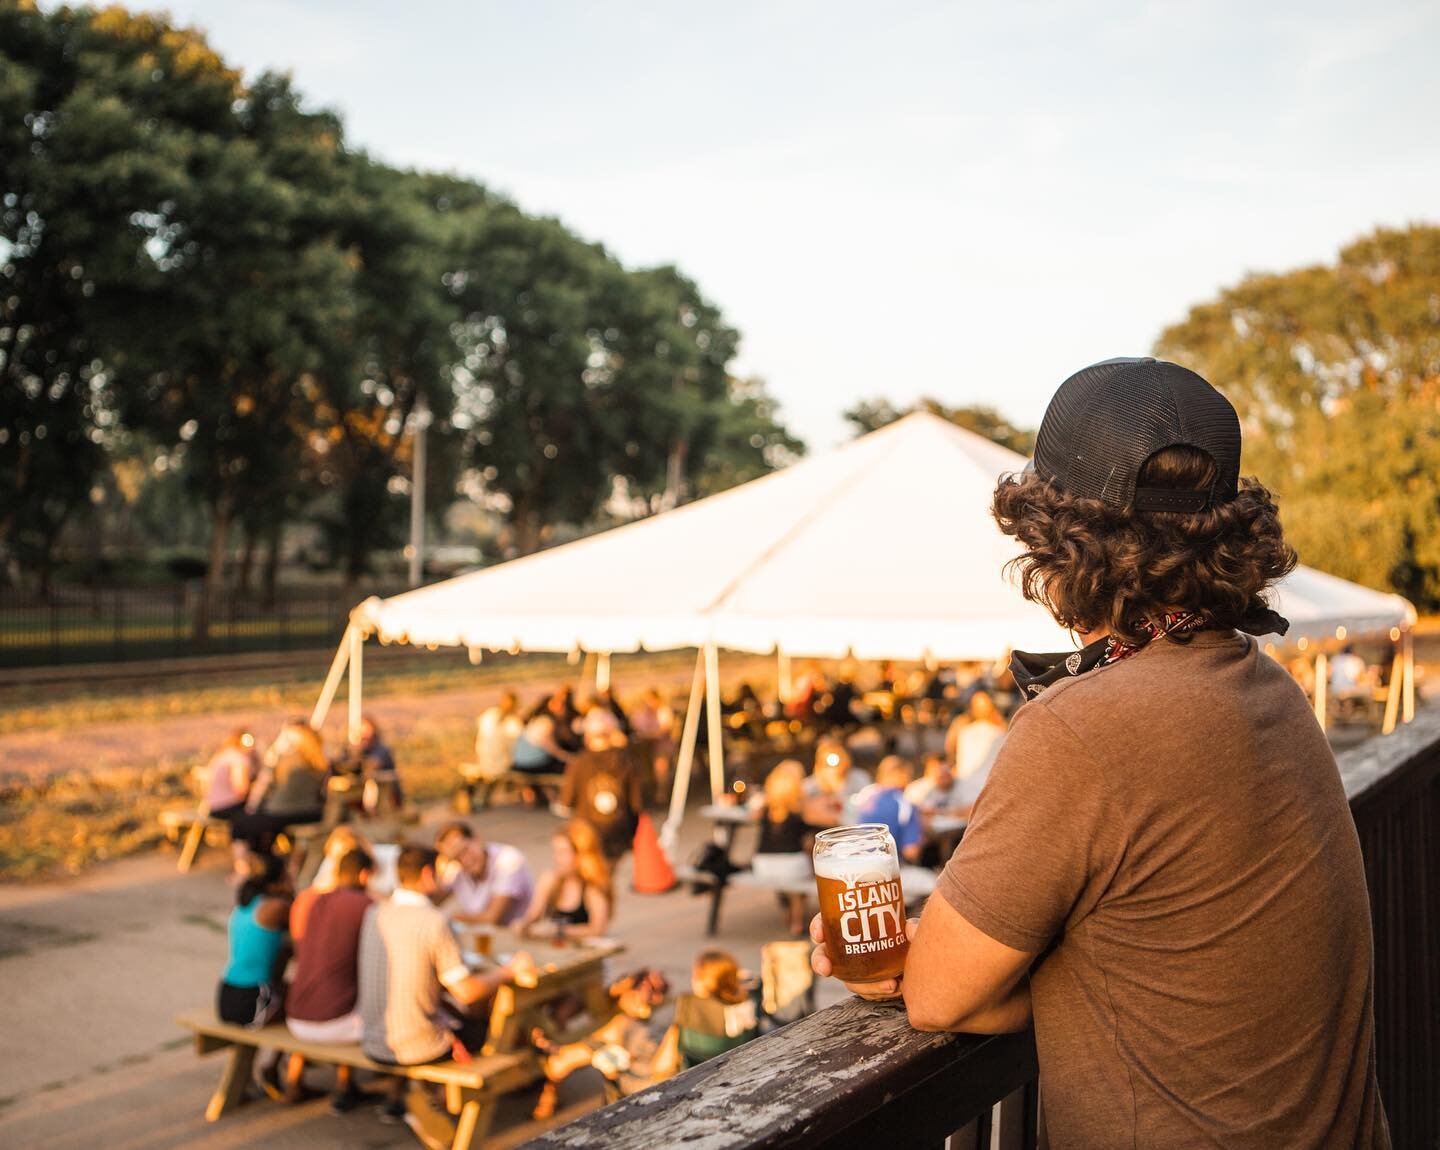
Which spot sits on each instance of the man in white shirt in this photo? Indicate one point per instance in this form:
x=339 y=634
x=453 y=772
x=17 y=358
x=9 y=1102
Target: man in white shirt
x=490 y=885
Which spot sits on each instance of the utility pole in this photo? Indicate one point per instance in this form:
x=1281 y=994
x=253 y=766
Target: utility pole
x=420 y=423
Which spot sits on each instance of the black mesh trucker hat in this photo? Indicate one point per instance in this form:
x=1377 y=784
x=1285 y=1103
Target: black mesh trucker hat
x=1109 y=418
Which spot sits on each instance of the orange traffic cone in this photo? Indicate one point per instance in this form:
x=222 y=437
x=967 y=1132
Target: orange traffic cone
x=653 y=872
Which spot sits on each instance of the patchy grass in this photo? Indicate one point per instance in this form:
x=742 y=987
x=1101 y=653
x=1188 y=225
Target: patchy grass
x=64 y=825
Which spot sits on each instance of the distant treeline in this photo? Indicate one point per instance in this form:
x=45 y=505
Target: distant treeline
x=203 y=288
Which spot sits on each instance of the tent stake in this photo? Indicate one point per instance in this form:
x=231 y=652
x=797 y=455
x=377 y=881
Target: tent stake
x=1407 y=697
x=1392 y=692
x=332 y=681
x=357 y=657
x=713 y=722
x=685 y=762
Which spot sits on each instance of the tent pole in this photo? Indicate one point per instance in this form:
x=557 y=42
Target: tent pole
x=1322 y=676
x=713 y=722
x=357 y=669
x=602 y=672
x=332 y=681
x=680 y=785
x=782 y=674
x=1392 y=692
x=1407 y=695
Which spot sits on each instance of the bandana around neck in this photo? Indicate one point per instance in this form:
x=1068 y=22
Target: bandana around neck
x=1033 y=673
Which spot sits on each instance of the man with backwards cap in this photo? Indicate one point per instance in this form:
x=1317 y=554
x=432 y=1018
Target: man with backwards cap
x=1161 y=872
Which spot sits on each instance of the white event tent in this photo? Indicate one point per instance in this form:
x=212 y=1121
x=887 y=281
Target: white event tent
x=882 y=548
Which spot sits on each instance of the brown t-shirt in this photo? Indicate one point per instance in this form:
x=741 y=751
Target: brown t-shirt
x=1171 y=832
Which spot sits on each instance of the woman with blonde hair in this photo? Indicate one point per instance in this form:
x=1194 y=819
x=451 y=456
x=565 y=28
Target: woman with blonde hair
x=781 y=853
x=576 y=895
x=290 y=790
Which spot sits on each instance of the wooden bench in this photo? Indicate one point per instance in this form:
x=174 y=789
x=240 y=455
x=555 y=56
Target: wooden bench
x=472 y=1089
x=190 y=829
x=472 y=779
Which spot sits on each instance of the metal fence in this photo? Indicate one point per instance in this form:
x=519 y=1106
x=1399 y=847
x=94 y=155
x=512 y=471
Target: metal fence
x=79 y=624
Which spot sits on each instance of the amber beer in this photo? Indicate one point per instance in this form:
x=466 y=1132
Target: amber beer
x=857 y=874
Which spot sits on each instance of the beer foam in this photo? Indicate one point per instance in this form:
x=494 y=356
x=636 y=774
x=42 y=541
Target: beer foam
x=856 y=869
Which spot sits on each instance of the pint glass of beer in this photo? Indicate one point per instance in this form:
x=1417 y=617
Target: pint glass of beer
x=857 y=872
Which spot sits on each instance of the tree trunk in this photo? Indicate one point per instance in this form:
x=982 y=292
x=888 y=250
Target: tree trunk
x=675 y=474
x=221 y=512
x=247 y=559
x=272 y=567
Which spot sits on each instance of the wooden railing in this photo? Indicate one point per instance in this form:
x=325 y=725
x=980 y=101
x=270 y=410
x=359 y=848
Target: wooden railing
x=1393 y=784
x=856 y=1075
x=852 y=1075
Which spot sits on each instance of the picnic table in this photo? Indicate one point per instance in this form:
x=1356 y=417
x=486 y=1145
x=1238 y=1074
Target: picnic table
x=506 y=1063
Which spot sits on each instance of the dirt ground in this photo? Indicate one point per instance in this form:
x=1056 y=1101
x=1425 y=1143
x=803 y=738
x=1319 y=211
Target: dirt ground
x=97 y=968
x=191 y=738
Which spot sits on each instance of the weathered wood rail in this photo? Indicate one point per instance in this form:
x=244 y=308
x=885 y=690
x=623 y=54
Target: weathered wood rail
x=852 y=1075
x=1393 y=783
x=856 y=1075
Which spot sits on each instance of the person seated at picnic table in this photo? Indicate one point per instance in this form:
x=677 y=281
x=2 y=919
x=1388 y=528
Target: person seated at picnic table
x=623 y=1049
x=290 y=789
x=836 y=707
x=496 y=732
x=782 y=850
x=607 y=700
x=604 y=786
x=364 y=776
x=490 y=885
x=251 y=989
x=832 y=784
x=652 y=723
x=717 y=1015
x=937 y=790
x=575 y=897
x=884 y=801
x=229 y=775
x=1349 y=676
x=320 y=1004
x=450 y=840
x=978 y=738
x=542 y=747
x=338 y=843
x=408 y=960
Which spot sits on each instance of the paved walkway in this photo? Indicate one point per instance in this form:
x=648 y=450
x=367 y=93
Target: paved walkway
x=96 y=969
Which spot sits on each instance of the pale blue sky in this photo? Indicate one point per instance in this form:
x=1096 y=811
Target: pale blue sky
x=962 y=200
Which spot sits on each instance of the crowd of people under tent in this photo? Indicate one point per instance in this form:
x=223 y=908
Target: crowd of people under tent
x=362 y=943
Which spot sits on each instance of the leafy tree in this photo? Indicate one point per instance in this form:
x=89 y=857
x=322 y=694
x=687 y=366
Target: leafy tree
x=1335 y=371
x=872 y=414
x=255 y=286
x=536 y=377
x=396 y=232
x=96 y=113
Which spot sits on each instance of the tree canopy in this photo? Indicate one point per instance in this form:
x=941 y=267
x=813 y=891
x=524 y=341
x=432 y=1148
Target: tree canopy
x=202 y=283
x=1335 y=371
x=872 y=414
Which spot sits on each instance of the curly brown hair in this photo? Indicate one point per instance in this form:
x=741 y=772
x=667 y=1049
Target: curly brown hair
x=1100 y=568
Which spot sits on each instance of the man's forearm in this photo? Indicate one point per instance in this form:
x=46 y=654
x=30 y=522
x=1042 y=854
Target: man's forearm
x=1000 y=1016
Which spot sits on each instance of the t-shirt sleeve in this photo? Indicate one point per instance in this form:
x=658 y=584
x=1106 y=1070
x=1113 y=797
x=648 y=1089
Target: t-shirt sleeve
x=1039 y=843
x=511 y=879
x=450 y=967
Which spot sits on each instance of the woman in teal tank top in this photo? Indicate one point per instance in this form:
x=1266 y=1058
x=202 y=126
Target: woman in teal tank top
x=248 y=993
